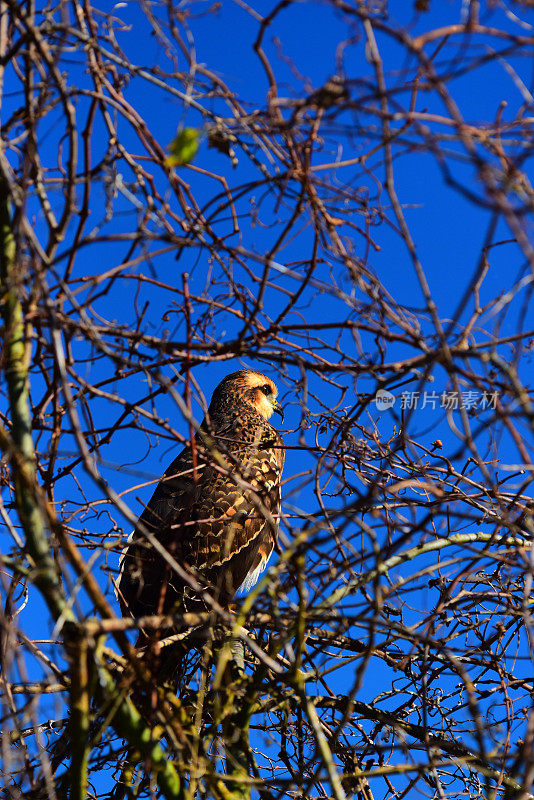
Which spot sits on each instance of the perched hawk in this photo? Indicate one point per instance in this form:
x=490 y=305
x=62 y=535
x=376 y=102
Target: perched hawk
x=215 y=509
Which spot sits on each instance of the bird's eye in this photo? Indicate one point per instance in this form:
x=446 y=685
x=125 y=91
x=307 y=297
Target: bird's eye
x=266 y=389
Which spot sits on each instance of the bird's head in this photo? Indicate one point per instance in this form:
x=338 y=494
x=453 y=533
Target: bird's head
x=248 y=387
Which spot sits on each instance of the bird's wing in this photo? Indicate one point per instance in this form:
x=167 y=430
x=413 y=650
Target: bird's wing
x=236 y=513
x=216 y=519
x=142 y=570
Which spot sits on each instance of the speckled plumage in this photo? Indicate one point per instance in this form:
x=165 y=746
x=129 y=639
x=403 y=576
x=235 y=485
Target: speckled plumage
x=218 y=519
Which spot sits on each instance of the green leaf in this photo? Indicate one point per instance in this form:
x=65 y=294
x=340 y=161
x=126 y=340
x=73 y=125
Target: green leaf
x=183 y=147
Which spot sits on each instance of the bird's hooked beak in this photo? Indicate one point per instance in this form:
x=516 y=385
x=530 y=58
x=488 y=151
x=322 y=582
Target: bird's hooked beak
x=278 y=409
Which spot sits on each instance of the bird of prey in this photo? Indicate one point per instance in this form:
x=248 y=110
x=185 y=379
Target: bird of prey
x=214 y=510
